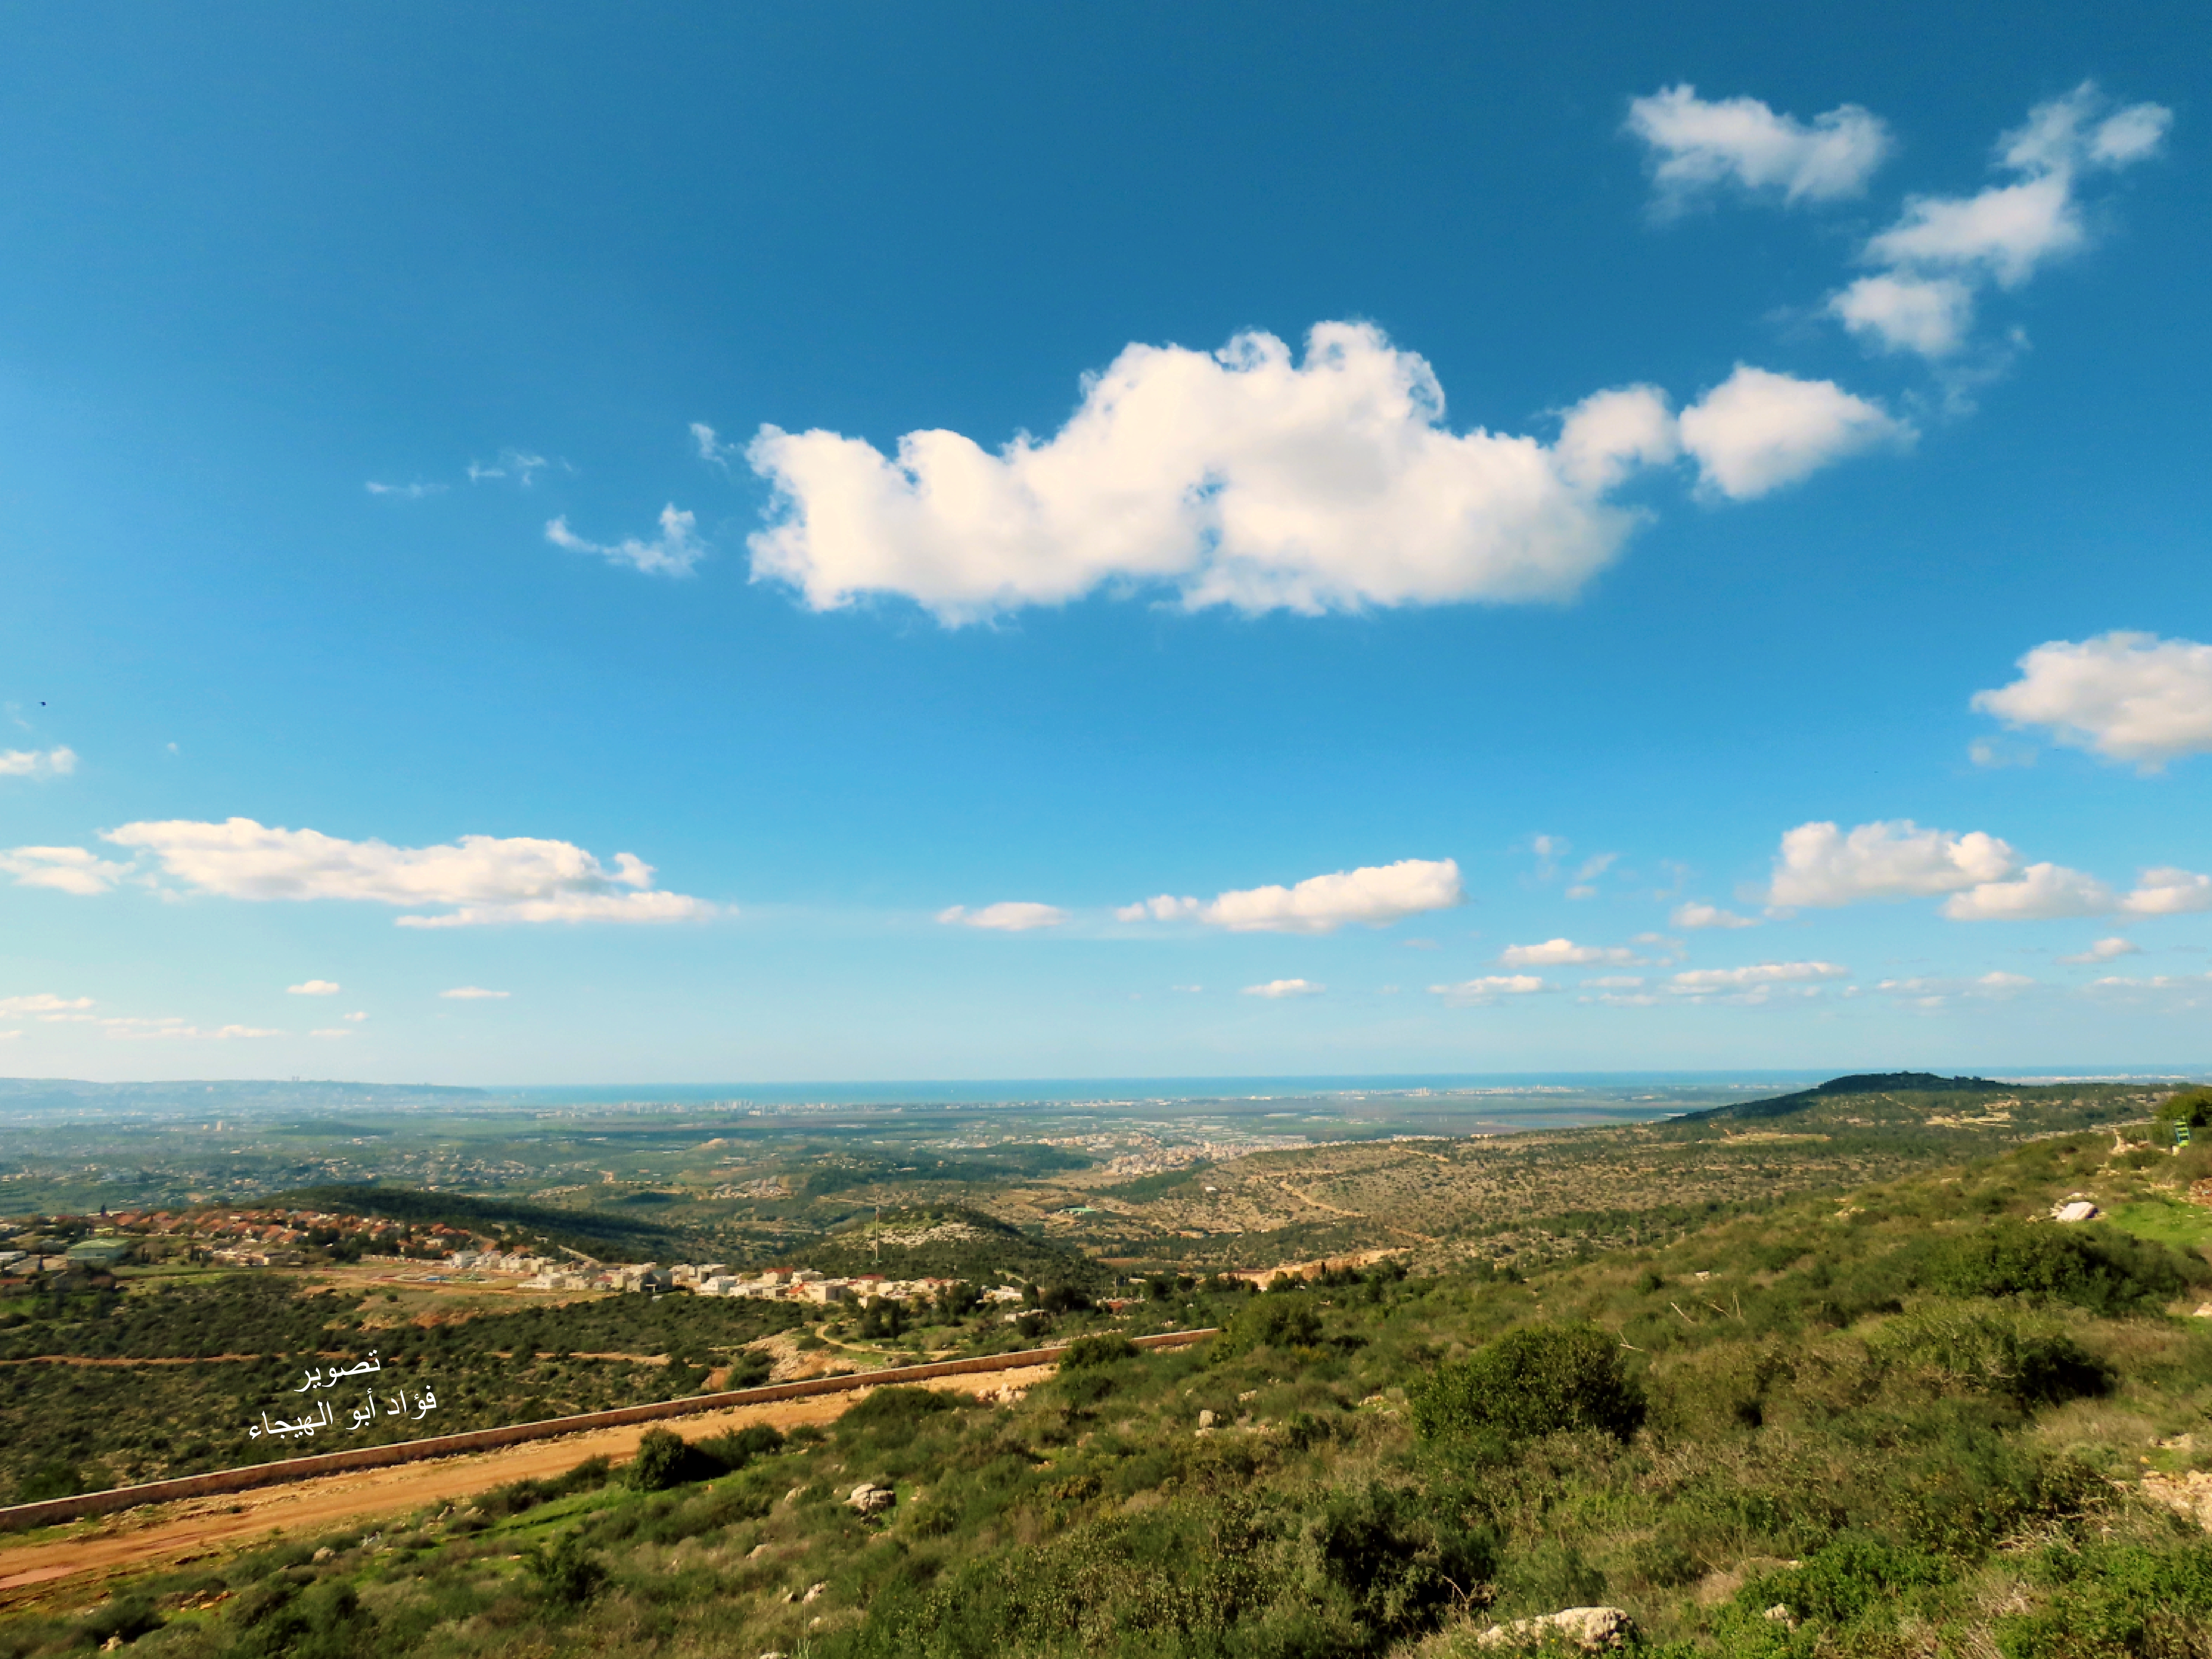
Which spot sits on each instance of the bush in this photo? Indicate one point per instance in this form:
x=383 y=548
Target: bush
x=2091 y=1267
x=1989 y=1353
x=1382 y=1550
x=1274 y=1320
x=1096 y=1351
x=1843 y=1579
x=1538 y=1380
x=731 y=1450
x=567 y=1575
x=664 y=1459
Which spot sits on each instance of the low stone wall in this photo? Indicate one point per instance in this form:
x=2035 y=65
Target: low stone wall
x=21 y=1515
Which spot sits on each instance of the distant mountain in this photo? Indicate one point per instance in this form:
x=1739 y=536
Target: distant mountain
x=1861 y=1083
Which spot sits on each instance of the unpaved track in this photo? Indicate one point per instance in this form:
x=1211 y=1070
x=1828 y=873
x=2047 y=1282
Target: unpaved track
x=191 y=1528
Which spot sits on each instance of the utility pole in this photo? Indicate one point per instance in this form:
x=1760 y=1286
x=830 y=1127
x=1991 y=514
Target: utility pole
x=879 y=1235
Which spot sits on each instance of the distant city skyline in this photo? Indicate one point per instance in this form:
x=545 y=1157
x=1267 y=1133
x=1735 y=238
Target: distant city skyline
x=552 y=548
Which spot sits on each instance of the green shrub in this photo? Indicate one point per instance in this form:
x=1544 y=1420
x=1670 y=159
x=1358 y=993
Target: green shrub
x=1283 y=1320
x=2115 y=1599
x=1988 y=1353
x=1096 y=1351
x=2091 y=1267
x=1538 y=1380
x=567 y=1575
x=732 y=1450
x=664 y=1459
x=1381 y=1549
x=1842 y=1579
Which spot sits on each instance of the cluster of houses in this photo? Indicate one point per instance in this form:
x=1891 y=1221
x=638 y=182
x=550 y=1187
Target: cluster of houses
x=539 y=1273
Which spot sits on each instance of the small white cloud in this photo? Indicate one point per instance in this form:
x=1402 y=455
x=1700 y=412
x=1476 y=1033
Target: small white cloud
x=1188 y=990
x=1700 y=145
x=1929 y=315
x=1284 y=988
x=314 y=988
x=1757 y=431
x=1820 y=866
x=671 y=553
x=2168 y=891
x=2106 y=950
x=1475 y=993
x=1616 y=981
x=2041 y=892
x=519 y=465
x=357 y=1016
x=62 y=869
x=1993 y=755
x=1562 y=952
x=406 y=492
x=711 y=448
x=1708 y=916
x=332 y=1031
x=1166 y=908
x=2123 y=696
x=1753 y=984
x=56 y=762
x=1373 y=896
x=473 y=993
x=1009 y=916
x=1942 y=248
x=41 y=1003
x=169 y=1028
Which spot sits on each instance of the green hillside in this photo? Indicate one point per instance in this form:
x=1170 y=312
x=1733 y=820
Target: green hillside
x=947 y=1242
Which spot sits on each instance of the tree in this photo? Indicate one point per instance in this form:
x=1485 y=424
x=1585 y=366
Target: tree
x=1538 y=1380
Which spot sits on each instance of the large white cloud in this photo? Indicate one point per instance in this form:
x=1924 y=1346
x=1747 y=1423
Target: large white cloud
x=1562 y=953
x=1008 y=916
x=1819 y=866
x=1239 y=478
x=1942 y=248
x=58 y=761
x=482 y=878
x=1246 y=477
x=2126 y=696
x=1699 y=145
x=1758 y=431
x=1374 y=896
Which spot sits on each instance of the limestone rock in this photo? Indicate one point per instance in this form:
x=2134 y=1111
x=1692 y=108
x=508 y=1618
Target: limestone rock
x=2080 y=1209
x=871 y=1499
x=1593 y=1630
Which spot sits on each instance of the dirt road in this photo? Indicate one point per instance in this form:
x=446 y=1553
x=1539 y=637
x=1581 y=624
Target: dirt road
x=187 y=1530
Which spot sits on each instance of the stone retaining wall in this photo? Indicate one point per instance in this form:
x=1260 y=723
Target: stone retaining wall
x=21 y=1516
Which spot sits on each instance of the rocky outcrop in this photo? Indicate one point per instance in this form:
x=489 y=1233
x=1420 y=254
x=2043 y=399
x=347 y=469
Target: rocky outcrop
x=1593 y=1630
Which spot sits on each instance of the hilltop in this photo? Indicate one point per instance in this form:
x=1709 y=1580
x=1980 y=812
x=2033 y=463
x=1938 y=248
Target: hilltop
x=947 y=1242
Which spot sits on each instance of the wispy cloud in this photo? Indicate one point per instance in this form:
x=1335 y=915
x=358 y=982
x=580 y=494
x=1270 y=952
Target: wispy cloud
x=474 y=993
x=1476 y=992
x=673 y=552
x=406 y=492
x=314 y=988
x=1008 y=916
x=1284 y=988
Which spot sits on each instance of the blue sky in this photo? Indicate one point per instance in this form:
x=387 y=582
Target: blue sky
x=1480 y=542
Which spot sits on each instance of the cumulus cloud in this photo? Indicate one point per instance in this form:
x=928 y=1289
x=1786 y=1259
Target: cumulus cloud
x=314 y=988
x=1284 y=988
x=2041 y=892
x=486 y=879
x=1819 y=865
x=1699 y=145
x=41 y=1004
x=1708 y=916
x=64 y=869
x=1758 y=431
x=671 y=553
x=1474 y=993
x=1942 y=249
x=1562 y=952
x=2167 y=891
x=1374 y=896
x=1241 y=478
x=1009 y=916
x=56 y=762
x=474 y=993
x=2106 y=950
x=2126 y=696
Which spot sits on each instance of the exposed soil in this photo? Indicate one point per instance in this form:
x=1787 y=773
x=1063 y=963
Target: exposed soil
x=168 y=1533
